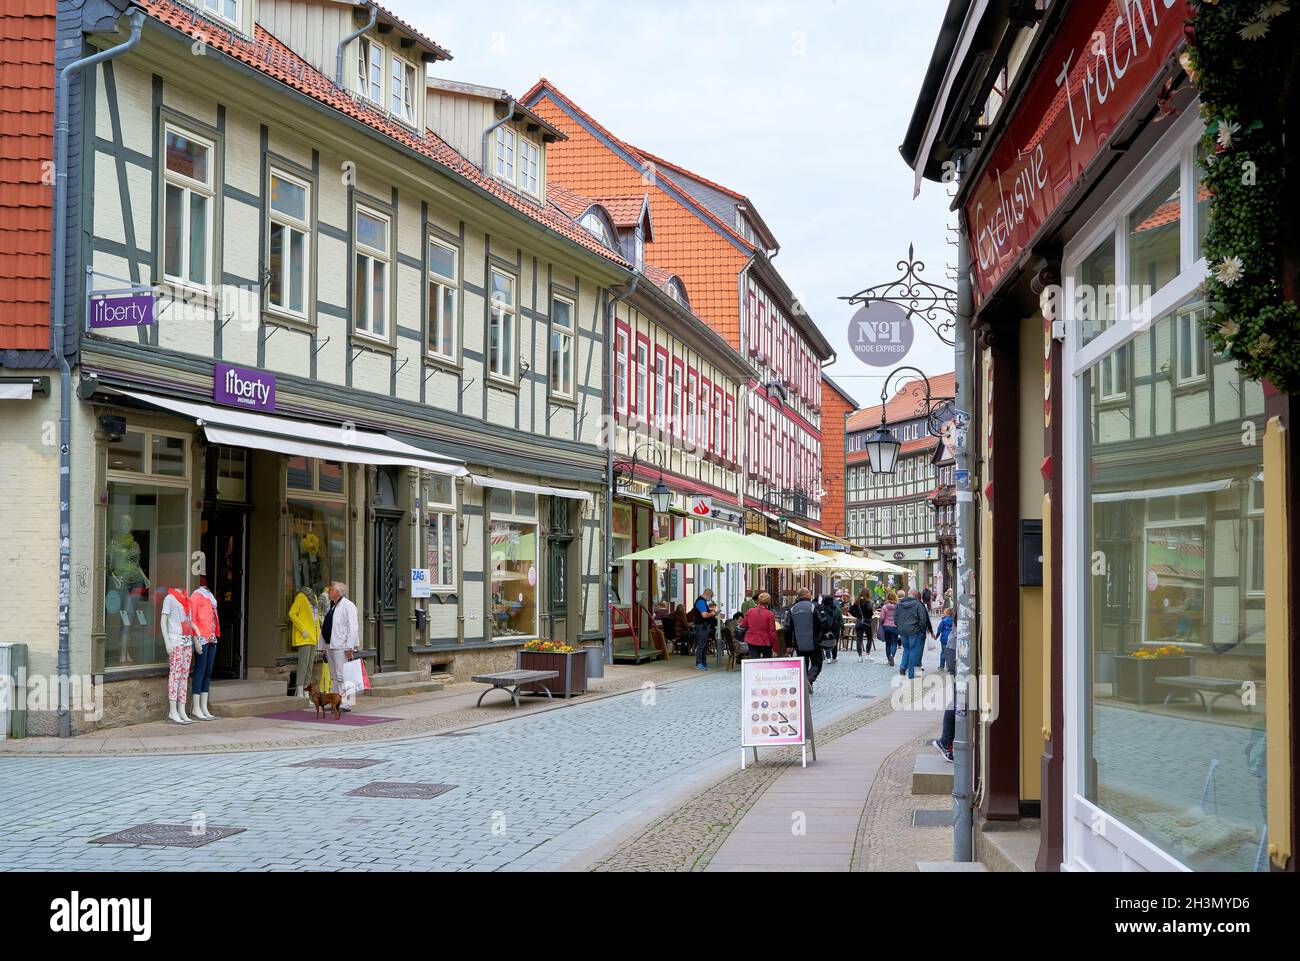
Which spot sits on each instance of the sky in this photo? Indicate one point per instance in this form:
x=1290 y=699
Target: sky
x=800 y=106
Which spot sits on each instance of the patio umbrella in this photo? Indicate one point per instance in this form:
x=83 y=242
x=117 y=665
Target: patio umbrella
x=716 y=546
x=852 y=564
x=787 y=555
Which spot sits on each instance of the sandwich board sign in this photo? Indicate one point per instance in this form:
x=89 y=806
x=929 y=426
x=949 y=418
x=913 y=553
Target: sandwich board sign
x=774 y=708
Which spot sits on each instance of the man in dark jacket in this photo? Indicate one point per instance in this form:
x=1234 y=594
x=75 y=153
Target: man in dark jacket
x=803 y=630
x=862 y=611
x=706 y=619
x=913 y=622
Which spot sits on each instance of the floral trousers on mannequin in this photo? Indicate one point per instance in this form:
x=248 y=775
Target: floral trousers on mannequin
x=178 y=676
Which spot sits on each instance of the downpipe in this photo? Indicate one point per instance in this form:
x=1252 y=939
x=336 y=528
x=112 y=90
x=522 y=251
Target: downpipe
x=338 y=59
x=59 y=268
x=608 y=523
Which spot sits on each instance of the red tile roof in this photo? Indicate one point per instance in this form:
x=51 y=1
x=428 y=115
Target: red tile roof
x=702 y=249
x=272 y=57
x=26 y=146
x=907 y=403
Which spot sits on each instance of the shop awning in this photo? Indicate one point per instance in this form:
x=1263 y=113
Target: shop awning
x=23 y=388
x=300 y=438
x=1205 y=488
x=569 y=492
x=15 y=391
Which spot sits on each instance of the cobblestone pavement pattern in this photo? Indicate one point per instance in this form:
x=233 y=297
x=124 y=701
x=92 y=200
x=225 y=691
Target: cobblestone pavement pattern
x=531 y=792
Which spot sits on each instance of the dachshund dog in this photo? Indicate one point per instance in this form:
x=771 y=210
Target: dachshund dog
x=324 y=702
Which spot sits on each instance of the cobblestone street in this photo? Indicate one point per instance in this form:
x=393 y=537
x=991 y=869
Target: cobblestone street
x=531 y=792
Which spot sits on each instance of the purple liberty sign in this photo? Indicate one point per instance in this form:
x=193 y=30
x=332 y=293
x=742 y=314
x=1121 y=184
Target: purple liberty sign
x=241 y=387
x=129 y=310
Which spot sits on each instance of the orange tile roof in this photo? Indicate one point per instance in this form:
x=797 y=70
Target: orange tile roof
x=907 y=403
x=623 y=211
x=705 y=252
x=26 y=145
x=270 y=56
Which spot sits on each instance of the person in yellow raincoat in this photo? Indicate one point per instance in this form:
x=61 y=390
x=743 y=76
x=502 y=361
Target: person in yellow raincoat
x=306 y=635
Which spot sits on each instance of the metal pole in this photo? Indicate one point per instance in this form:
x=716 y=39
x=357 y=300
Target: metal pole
x=58 y=268
x=964 y=356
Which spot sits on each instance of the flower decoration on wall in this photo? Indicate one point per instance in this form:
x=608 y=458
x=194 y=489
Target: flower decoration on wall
x=1242 y=57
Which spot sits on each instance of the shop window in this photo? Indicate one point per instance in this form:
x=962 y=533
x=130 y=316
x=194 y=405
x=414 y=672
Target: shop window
x=440 y=532
x=329 y=477
x=1172 y=617
x=316 y=476
x=232 y=474
x=559 y=539
x=443 y=286
x=318 y=539
x=1153 y=239
x=513 y=577
x=147 y=543
x=187 y=207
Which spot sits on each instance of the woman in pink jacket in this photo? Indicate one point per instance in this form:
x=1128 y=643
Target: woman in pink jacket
x=889 y=630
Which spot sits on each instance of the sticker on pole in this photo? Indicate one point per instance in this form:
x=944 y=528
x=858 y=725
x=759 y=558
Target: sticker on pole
x=881 y=333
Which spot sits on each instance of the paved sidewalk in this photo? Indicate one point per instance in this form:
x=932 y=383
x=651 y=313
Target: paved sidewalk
x=414 y=716
x=808 y=819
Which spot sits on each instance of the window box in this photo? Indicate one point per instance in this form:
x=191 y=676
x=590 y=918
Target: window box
x=571 y=666
x=1135 y=677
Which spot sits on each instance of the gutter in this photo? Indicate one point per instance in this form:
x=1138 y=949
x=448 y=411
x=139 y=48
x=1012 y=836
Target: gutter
x=59 y=222
x=338 y=61
x=610 y=436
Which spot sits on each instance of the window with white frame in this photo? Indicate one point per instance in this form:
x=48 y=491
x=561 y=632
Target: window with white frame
x=1189 y=345
x=692 y=398
x=187 y=207
x=289 y=236
x=225 y=9
x=676 y=387
x=443 y=283
x=370 y=70
x=620 y=370
x=440 y=532
x=370 y=281
x=661 y=387
x=1255 y=537
x=641 y=397
x=502 y=325
x=530 y=177
x=562 y=347
x=402 y=102
x=507 y=147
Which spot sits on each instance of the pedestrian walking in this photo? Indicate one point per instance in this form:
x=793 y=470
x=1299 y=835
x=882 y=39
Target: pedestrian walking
x=888 y=629
x=862 y=611
x=832 y=627
x=340 y=634
x=913 y=623
x=705 y=618
x=804 y=632
x=926 y=596
x=758 y=627
x=946 y=625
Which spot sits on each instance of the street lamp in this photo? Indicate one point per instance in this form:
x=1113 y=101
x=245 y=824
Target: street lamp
x=772 y=501
x=661 y=497
x=881 y=444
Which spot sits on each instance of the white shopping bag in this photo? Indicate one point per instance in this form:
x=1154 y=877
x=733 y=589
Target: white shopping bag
x=351 y=682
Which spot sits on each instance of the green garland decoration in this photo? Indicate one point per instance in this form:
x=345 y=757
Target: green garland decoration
x=1240 y=56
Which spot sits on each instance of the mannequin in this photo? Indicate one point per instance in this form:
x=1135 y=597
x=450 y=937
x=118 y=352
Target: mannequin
x=127 y=577
x=206 y=631
x=305 y=636
x=176 y=632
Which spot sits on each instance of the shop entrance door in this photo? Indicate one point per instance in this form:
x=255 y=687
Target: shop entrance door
x=228 y=553
x=385 y=568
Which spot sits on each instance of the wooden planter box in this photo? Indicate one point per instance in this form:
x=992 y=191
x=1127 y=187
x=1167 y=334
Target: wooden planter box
x=1135 y=676
x=572 y=668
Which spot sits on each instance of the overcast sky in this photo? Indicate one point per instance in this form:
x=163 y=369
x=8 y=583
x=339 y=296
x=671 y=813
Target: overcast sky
x=799 y=105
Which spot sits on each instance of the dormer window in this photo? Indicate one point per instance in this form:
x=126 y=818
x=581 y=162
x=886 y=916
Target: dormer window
x=370 y=70
x=597 y=226
x=506 y=150
x=530 y=176
x=639 y=252
x=403 y=95
x=677 y=292
x=225 y=9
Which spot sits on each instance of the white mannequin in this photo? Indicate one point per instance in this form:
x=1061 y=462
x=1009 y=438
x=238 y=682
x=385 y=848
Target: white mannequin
x=176 y=709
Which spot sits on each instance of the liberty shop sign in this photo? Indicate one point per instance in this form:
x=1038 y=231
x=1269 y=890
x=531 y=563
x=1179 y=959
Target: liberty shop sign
x=244 y=388
x=121 y=310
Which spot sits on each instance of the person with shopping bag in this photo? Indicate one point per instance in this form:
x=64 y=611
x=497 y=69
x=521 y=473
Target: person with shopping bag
x=341 y=636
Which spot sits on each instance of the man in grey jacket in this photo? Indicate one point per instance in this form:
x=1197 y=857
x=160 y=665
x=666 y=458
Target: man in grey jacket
x=913 y=622
x=803 y=630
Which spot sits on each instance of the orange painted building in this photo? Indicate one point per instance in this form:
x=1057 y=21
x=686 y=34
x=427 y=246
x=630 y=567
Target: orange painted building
x=836 y=408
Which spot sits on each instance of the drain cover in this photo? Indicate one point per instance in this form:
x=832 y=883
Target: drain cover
x=399 y=789
x=932 y=819
x=339 y=763
x=168 y=835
